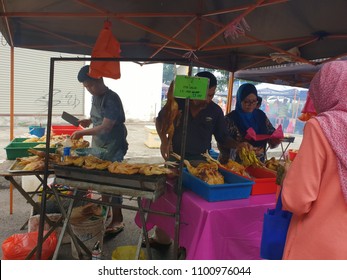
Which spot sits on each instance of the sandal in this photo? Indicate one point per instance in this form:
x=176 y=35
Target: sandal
x=114 y=230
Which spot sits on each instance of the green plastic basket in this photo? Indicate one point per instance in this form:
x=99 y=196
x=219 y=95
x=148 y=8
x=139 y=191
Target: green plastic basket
x=19 y=149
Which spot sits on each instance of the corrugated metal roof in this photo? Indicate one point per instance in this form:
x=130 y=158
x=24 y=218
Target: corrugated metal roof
x=31 y=83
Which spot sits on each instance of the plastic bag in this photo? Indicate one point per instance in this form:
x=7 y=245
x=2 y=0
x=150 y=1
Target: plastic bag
x=274 y=234
x=277 y=134
x=106 y=46
x=18 y=246
x=308 y=111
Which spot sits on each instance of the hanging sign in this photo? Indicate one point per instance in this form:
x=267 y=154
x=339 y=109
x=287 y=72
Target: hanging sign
x=191 y=87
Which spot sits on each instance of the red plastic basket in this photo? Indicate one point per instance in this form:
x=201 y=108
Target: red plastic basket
x=265 y=180
x=292 y=154
x=64 y=129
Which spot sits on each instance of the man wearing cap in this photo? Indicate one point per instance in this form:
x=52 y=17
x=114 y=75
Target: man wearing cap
x=108 y=131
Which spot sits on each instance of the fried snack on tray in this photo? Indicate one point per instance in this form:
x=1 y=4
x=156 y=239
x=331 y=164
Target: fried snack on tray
x=35 y=166
x=33 y=163
x=154 y=169
x=31 y=140
x=208 y=172
x=138 y=168
x=79 y=143
x=72 y=160
x=27 y=160
x=39 y=153
x=93 y=162
x=124 y=168
x=236 y=168
x=230 y=165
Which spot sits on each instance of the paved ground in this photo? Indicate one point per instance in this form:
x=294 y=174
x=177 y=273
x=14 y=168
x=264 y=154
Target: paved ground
x=138 y=135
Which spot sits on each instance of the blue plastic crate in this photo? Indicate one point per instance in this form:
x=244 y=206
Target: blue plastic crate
x=235 y=187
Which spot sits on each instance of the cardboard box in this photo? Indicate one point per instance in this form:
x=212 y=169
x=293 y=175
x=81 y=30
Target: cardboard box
x=153 y=140
x=235 y=187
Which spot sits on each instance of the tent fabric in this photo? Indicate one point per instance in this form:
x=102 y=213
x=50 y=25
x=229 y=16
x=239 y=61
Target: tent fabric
x=227 y=35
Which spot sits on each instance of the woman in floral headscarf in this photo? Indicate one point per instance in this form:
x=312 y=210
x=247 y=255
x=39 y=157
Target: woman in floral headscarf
x=245 y=116
x=315 y=186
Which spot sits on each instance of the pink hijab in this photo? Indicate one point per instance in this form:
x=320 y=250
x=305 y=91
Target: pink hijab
x=328 y=91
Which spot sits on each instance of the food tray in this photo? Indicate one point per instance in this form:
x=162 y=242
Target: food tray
x=64 y=129
x=19 y=149
x=18 y=168
x=235 y=187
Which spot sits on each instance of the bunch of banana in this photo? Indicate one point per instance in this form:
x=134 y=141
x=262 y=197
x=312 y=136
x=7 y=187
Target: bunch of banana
x=248 y=158
x=272 y=164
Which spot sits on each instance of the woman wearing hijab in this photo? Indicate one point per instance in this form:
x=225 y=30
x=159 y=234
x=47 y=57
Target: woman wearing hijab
x=245 y=116
x=315 y=186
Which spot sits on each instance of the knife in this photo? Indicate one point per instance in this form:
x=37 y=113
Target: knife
x=70 y=118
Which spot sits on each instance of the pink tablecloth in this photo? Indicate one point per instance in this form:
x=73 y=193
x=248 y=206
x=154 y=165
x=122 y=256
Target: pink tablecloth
x=214 y=230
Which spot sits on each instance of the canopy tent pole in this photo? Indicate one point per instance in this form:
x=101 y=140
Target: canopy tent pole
x=11 y=116
x=230 y=92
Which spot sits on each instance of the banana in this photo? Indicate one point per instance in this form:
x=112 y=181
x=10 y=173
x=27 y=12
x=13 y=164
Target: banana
x=248 y=158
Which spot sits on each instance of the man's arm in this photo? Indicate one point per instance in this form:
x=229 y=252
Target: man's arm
x=105 y=127
x=164 y=146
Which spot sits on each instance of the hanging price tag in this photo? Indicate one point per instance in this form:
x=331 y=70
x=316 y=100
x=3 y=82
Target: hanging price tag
x=191 y=87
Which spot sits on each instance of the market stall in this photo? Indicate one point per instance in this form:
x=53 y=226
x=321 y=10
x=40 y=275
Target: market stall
x=149 y=187
x=215 y=230
x=136 y=186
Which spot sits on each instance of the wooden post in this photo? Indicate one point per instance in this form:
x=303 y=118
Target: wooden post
x=230 y=92
x=11 y=116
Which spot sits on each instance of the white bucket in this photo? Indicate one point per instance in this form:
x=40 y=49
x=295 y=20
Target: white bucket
x=30 y=183
x=89 y=232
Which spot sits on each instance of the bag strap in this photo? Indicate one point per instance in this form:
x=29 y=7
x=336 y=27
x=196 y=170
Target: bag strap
x=279 y=202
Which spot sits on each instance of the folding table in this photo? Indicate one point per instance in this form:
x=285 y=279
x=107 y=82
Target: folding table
x=288 y=140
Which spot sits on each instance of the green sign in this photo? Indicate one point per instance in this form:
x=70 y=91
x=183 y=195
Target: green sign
x=191 y=87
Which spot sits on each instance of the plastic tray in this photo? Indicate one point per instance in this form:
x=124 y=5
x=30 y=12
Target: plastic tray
x=64 y=129
x=235 y=187
x=98 y=152
x=18 y=149
x=265 y=180
x=21 y=140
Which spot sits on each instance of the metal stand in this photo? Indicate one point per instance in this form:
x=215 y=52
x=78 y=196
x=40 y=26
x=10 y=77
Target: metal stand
x=288 y=140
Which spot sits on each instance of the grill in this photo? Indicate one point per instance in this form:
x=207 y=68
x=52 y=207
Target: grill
x=136 y=185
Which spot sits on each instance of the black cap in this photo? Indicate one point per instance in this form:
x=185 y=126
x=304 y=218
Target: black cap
x=83 y=75
x=210 y=76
